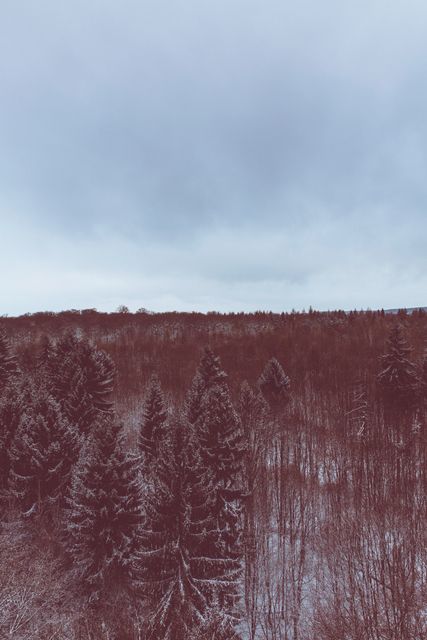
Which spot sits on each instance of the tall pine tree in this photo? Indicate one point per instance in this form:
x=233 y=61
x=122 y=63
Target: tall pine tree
x=152 y=428
x=80 y=377
x=42 y=452
x=182 y=572
x=222 y=450
x=208 y=374
x=12 y=406
x=104 y=514
x=398 y=379
x=8 y=363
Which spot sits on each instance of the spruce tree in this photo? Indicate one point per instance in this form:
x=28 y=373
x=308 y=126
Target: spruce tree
x=81 y=378
x=8 y=363
x=193 y=402
x=275 y=385
x=78 y=404
x=253 y=409
x=423 y=383
x=153 y=424
x=398 y=379
x=42 y=452
x=222 y=449
x=219 y=435
x=12 y=406
x=209 y=374
x=100 y=374
x=210 y=369
x=104 y=514
x=182 y=572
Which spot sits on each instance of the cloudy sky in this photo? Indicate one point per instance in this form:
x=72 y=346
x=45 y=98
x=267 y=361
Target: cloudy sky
x=213 y=155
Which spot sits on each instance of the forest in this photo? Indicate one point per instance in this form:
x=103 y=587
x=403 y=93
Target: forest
x=188 y=476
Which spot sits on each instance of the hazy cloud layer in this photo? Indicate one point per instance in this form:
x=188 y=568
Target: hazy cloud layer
x=212 y=155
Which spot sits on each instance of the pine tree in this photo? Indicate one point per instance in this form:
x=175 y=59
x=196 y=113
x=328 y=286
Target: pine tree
x=210 y=369
x=8 y=363
x=153 y=422
x=42 y=452
x=222 y=449
x=193 y=403
x=423 y=382
x=100 y=375
x=46 y=352
x=209 y=374
x=253 y=409
x=81 y=378
x=221 y=442
x=104 y=514
x=12 y=406
x=78 y=404
x=398 y=379
x=275 y=385
x=181 y=569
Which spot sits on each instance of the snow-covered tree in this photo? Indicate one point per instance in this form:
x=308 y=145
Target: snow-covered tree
x=100 y=374
x=78 y=404
x=275 y=385
x=209 y=374
x=81 y=378
x=210 y=369
x=8 y=363
x=222 y=449
x=153 y=423
x=181 y=570
x=42 y=452
x=12 y=406
x=104 y=513
x=398 y=379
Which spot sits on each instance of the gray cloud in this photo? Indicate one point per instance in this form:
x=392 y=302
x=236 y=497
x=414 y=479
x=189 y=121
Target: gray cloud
x=198 y=155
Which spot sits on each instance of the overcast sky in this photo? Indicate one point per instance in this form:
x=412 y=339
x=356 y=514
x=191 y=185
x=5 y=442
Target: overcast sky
x=213 y=154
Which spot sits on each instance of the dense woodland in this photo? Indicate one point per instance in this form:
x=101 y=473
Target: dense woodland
x=213 y=477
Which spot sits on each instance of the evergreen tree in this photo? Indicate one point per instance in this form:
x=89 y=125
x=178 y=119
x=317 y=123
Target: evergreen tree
x=100 y=375
x=8 y=363
x=210 y=369
x=104 y=513
x=193 y=402
x=12 y=406
x=222 y=449
x=423 y=382
x=398 y=379
x=182 y=572
x=81 y=378
x=153 y=422
x=274 y=385
x=209 y=374
x=42 y=453
x=78 y=404
x=253 y=409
